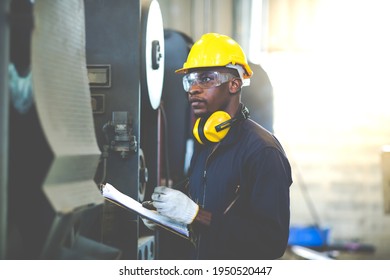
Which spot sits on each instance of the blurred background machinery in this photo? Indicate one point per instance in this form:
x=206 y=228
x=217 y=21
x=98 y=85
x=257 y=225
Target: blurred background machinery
x=85 y=106
x=53 y=153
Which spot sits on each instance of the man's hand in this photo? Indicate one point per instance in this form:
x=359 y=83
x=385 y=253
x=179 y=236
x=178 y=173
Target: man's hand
x=174 y=204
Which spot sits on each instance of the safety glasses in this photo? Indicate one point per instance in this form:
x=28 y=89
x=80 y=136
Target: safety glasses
x=207 y=79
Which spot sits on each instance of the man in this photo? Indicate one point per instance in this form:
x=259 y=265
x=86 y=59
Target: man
x=237 y=201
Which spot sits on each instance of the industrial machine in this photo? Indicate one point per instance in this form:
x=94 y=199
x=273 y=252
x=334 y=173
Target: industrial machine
x=86 y=102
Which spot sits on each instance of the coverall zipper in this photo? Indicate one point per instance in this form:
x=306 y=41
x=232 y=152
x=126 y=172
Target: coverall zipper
x=204 y=190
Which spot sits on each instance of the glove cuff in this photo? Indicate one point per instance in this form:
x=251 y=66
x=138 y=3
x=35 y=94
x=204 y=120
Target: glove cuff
x=190 y=213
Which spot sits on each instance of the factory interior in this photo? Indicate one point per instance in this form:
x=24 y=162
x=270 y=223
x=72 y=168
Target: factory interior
x=89 y=94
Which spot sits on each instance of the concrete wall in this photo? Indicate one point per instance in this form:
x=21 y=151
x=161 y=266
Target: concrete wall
x=333 y=125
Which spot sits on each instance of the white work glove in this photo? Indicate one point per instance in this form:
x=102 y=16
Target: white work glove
x=149 y=224
x=174 y=204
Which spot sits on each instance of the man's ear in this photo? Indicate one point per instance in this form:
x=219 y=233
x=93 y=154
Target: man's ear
x=235 y=85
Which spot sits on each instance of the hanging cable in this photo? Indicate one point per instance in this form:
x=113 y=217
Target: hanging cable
x=166 y=147
x=306 y=196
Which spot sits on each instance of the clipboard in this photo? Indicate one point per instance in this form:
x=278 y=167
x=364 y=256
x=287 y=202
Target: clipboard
x=113 y=195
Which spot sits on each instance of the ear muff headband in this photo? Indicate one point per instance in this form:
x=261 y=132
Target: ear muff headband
x=215 y=128
x=210 y=130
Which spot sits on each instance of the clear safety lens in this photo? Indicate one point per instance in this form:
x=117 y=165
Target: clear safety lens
x=205 y=80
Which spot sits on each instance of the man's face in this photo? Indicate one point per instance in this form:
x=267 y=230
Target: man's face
x=208 y=90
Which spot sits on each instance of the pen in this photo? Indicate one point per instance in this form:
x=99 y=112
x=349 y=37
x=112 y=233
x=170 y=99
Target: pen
x=234 y=201
x=149 y=204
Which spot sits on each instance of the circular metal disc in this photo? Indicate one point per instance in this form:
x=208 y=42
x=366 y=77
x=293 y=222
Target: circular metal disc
x=154 y=54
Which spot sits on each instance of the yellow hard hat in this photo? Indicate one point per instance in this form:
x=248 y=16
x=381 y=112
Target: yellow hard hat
x=215 y=50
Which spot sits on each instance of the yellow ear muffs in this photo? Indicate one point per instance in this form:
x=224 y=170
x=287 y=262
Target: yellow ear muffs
x=213 y=129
